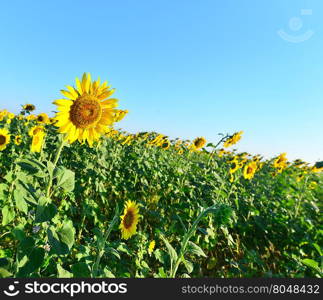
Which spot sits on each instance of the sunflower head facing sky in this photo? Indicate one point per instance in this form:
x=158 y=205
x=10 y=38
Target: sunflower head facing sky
x=87 y=111
x=129 y=220
x=4 y=138
x=199 y=143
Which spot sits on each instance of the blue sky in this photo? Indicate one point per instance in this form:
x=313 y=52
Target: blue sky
x=184 y=68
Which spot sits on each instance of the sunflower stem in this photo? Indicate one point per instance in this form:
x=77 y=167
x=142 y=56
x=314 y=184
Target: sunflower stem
x=101 y=243
x=214 y=148
x=58 y=154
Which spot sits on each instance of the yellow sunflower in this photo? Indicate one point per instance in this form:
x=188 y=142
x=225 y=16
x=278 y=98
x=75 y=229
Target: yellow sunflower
x=235 y=165
x=43 y=118
x=165 y=144
x=151 y=247
x=29 y=107
x=232 y=140
x=4 y=138
x=87 y=111
x=11 y=115
x=37 y=142
x=199 y=143
x=35 y=130
x=250 y=170
x=18 y=140
x=129 y=220
x=280 y=162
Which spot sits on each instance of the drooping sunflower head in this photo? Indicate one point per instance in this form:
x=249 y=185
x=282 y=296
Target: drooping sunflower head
x=43 y=118
x=87 y=111
x=37 y=142
x=232 y=140
x=29 y=107
x=199 y=142
x=4 y=138
x=129 y=220
x=18 y=140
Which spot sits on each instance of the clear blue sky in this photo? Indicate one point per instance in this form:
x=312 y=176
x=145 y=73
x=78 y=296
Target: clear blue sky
x=184 y=68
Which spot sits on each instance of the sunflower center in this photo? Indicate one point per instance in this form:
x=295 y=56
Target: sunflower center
x=249 y=170
x=85 y=111
x=2 y=139
x=128 y=219
x=40 y=118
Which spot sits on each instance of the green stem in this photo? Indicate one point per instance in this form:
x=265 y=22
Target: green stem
x=214 y=148
x=50 y=181
x=101 y=244
x=187 y=237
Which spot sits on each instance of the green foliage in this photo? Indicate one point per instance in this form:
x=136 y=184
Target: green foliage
x=58 y=213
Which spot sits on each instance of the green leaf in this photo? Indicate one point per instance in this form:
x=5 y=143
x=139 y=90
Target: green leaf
x=107 y=273
x=19 y=232
x=33 y=167
x=21 y=204
x=66 y=234
x=4 y=273
x=3 y=190
x=62 y=273
x=65 y=179
x=45 y=213
x=195 y=249
x=57 y=247
x=8 y=215
x=171 y=251
x=35 y=260
x=188 y=265
x=81 y=269
x=50 y=167
x=311 y=263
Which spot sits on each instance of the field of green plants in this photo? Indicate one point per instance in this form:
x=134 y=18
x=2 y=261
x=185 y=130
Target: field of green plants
x=79 y=198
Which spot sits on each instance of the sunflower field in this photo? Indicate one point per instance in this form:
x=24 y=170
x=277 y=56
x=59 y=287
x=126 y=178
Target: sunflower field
x=80 y=198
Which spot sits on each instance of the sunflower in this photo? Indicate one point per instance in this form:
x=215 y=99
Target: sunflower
x=11 y=115
x=18 y=140
x=250 y=170
x=151 y=247
x=129 y=220
x=235 y=165
x=87 y=111
x=232 y=140
x=199 y=143
x=37 y=142
x=280 y=162
x=29 y=107
x=43 y=118
x=4 y=138
x=165 y=144
x=35 y=130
